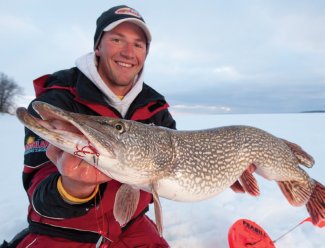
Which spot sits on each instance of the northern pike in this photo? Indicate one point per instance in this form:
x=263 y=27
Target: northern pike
x=179 y=165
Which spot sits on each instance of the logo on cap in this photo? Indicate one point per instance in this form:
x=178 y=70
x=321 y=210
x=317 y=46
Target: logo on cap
x=128 y=11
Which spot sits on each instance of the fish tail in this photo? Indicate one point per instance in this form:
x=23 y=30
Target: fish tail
x=303 y=157
x=296 y=192
x=316 y=204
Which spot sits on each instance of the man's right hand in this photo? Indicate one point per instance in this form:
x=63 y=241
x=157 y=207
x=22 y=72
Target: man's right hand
x=79 y=178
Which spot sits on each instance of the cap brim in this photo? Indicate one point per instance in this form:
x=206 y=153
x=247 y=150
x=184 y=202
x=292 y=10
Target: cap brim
x=139 y=23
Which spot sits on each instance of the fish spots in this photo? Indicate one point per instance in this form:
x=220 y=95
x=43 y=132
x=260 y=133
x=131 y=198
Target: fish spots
x=211 y=160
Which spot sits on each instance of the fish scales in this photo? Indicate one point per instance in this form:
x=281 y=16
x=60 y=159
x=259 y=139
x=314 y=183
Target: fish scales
x=216 y=158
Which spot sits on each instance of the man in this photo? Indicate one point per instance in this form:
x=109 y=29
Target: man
x=71 y=203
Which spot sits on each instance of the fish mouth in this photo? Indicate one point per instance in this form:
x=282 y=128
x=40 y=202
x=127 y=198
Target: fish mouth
x=50 y=124
x=63 y=129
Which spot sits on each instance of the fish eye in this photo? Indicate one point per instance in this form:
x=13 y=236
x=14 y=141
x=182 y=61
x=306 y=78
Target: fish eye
x=119 y=127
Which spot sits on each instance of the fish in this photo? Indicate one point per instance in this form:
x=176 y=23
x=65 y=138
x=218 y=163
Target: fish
x=180 y=165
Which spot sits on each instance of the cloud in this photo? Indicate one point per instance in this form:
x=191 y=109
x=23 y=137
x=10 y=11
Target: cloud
x=24 y=100
x=227 y=73
x=13 y=24
x=302 y=31
x=72 y=36
x=249 y=97
x=177 y=51
x=181 y=109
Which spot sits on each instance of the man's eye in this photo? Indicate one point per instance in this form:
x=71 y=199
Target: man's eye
x=116 y=40
x=140 y=45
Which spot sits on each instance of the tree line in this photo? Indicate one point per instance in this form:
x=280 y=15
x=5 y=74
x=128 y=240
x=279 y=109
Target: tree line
x=9 y=89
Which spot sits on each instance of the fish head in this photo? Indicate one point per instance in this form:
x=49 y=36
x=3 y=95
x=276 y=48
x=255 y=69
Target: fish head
x=122 y=149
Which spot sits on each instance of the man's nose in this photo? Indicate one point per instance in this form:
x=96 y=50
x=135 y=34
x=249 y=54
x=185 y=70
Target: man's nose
x=128 y=50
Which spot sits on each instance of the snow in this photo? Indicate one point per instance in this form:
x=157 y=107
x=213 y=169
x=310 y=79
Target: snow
x=202 y=224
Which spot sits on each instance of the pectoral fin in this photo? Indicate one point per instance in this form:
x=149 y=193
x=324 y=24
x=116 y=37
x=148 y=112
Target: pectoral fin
x=126 y=202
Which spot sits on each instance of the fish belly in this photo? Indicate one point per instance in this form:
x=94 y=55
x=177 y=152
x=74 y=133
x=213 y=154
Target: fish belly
x=172 y=189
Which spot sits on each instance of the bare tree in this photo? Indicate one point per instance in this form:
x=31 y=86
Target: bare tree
x=8 y=90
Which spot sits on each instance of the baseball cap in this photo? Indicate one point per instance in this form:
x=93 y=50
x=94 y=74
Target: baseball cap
x=111 y=18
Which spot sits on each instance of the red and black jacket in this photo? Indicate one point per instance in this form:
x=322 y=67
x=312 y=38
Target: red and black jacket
x=48 y=213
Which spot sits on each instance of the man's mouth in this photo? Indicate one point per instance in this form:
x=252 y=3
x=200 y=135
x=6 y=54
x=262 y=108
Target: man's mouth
x=124 y=64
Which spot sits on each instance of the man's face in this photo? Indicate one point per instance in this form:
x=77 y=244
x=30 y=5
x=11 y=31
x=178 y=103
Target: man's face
x=121 y=54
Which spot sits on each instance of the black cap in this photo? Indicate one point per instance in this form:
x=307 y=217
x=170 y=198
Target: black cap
x=115 y=16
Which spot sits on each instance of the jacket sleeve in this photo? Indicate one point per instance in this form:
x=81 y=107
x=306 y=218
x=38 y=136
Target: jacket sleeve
x=163 y=118
x=167 y=120
x=40 y=175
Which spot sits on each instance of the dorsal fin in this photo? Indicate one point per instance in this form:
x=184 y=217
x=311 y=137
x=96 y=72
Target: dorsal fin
x=303 y=157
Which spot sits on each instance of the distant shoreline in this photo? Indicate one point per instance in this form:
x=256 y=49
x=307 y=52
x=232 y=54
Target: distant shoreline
x=313 y=111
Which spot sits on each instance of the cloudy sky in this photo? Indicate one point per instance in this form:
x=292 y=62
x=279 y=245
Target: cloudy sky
x=210 y=56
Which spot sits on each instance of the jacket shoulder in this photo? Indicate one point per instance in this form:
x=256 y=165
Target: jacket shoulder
x=156 y=108
x=63 y=77
x=150 y=93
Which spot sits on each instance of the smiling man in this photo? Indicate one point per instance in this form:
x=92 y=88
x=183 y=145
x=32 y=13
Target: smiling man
x=121 y=54
x=71 y=202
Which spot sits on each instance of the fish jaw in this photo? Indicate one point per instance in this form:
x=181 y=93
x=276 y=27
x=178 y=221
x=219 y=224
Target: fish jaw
x=65 y=140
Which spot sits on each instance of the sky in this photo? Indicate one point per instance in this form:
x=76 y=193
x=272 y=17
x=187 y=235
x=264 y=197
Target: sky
x=209 y=56
x=202 y=224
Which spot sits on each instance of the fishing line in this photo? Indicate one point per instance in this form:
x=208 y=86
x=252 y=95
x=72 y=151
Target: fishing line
x=100 y=224
x=289 y=231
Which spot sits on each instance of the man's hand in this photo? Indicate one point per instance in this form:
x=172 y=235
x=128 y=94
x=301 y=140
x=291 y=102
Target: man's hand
x=79 y=178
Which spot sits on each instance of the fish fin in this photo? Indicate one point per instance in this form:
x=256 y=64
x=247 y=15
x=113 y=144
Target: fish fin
x=316 y=204
x=296 y=192
x=249 y=183
x=158 y=209
x=126 y=203
x=237 y=187
x=303 y=157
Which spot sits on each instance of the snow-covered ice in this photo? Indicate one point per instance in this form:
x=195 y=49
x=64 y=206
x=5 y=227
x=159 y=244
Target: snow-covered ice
x=202 y=224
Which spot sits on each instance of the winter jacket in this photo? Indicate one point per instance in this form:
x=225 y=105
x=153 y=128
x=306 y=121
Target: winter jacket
x=81 y=225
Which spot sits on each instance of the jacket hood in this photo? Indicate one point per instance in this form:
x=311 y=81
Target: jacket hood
x=87 y=64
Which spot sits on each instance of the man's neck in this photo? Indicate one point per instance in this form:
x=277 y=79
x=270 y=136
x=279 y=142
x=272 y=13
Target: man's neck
x=119 y=90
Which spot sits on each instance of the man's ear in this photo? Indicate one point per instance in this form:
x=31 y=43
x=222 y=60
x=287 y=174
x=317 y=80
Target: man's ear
x=97 y=51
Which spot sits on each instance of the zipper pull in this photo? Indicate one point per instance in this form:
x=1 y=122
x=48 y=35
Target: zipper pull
x=99 y=242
